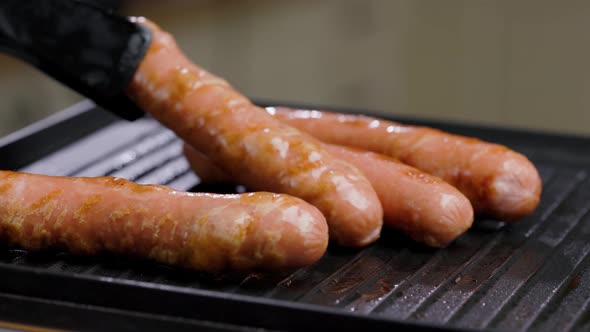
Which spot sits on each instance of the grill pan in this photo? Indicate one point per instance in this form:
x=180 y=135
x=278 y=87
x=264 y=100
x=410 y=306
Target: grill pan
x=532 y=275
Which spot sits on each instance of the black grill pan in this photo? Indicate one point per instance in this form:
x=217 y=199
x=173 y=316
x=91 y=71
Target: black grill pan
x=532 y=275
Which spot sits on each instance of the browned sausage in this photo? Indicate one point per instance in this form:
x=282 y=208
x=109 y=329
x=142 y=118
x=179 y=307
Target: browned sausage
x=254 y=147
x=423 y=206
x=498 y=181
x=198 y=231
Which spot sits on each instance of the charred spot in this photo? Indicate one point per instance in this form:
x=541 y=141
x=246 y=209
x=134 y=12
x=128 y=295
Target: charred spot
x=139 y=188
x=87 y=205
x=9 y=175
x=44 y=200
x=465 y=140
x=5 y=187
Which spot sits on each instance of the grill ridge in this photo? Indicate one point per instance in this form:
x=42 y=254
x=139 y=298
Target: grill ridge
x=83 y=170
x=566 y=277
x=421 y=312
x=494 y=297
x=568 y=307
x=335 y=275
x=350 y=278
x=495 y=275
x=516 y=315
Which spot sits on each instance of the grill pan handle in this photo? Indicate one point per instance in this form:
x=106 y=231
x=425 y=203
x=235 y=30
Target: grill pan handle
x=85 y=47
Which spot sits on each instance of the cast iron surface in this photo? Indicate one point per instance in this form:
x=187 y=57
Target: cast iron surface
x=531 y=275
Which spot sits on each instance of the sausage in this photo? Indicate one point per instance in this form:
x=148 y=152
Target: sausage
x=201 y=165
x=423 y=206
x=251 y=145
x=207 y=232
x=499 y=182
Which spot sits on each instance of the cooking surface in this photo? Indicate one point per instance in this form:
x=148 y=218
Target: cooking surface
x=534 y=274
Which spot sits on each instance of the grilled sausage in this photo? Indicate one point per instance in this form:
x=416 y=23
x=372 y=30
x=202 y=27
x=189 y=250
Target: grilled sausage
x=201 y=165
x=499 y=182
x=423 y=206
x=254 y=147
x=199 y=231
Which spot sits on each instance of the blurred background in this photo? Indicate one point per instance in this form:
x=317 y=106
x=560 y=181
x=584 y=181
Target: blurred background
x=516 y=63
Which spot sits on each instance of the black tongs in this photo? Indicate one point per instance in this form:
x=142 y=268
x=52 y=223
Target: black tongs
x=83 y=46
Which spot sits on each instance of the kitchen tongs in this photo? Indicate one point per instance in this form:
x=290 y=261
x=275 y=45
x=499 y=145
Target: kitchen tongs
x=85 y=47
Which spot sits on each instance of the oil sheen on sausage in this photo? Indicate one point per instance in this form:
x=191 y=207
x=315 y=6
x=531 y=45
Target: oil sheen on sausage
x=254 y=147
x=423 y=206
x=205 y=232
